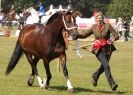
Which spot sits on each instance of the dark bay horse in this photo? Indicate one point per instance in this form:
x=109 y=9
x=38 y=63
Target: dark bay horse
x=37 y=41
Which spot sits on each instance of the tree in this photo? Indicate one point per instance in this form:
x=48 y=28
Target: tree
x=6 y=5
x=120 y=8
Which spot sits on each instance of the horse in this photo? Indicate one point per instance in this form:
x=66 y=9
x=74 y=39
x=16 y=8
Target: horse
x=9 y=17
x=37 y=42
x=33 y=17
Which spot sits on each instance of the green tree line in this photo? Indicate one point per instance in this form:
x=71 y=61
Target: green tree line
x=111 y=8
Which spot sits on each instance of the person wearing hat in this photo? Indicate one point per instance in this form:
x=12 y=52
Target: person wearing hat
x=102 y=47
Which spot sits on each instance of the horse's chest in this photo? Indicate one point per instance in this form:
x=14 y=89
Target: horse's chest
x=56 y=51
x=59 y=48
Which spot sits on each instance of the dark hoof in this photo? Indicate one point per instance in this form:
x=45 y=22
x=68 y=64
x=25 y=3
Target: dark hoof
x=31 y=80
x=114 y=87
x=47 y=83
x=72 y=90
x=94 y=81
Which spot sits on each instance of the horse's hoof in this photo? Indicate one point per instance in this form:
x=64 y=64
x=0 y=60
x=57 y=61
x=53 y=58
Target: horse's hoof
x=47 y=83
x=44 y=85
x=31 y=80
x=72 y=90
x=29 y=83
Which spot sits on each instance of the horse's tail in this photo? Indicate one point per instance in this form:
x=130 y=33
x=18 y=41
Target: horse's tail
x=14 y=58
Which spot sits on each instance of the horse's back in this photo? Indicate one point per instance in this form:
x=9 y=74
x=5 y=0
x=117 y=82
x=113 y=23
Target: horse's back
x=31 y=29
x=30 y=38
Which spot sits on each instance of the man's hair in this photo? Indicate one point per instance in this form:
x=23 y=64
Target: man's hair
x=98 y=13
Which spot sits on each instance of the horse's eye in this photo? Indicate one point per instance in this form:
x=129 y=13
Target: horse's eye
x=68 y=21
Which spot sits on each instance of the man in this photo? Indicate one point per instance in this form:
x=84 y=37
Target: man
x=41 y=11
x=102 y=47
x=127 y=30
x=119 y=26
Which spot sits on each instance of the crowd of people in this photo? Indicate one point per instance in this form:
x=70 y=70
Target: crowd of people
x=124 y=29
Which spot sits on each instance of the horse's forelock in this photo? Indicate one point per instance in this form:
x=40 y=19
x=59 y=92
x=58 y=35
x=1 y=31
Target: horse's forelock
x=68 y=13
x=55 y=15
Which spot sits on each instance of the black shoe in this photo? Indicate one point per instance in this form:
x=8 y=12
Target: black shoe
x=94 y=81
x=114 y=86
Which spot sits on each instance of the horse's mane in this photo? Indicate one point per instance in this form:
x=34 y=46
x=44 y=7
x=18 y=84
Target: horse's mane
x=55 y=15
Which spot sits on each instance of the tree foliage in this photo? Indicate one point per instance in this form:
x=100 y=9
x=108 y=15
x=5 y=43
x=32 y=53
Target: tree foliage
x=112 y=8
x=120 y=8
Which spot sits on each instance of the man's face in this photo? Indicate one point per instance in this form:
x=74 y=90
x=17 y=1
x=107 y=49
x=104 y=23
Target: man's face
x=99 y=19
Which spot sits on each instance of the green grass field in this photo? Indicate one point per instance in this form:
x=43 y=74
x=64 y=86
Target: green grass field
x=80 y=71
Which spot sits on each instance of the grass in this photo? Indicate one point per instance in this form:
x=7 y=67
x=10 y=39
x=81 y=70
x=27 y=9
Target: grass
x=80 y=71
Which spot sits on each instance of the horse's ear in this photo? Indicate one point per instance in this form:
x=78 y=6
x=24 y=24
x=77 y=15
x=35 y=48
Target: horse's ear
x=76 y=13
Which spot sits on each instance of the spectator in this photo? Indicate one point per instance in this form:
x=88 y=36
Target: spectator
x=41 y=11
x=1 y=19
x=127 y=29
x=131 y=26
x=119 y=26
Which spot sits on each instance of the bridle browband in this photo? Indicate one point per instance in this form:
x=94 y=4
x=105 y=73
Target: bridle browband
x=66 y=25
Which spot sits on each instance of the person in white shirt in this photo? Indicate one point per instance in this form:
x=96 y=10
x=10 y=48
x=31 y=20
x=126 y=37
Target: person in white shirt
x=131 y=26
x=119 y=26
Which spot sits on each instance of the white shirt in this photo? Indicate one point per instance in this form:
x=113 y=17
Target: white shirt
x=119 y=26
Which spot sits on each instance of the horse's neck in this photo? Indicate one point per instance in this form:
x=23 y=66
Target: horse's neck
x=56 y=30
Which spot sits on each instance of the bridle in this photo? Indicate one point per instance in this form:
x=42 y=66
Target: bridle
x=66 y=28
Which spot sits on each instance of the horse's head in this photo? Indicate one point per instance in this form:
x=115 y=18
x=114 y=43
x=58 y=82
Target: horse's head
x=69 y=24
x=11 y=15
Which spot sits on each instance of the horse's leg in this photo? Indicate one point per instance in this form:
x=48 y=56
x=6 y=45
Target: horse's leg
x=66 y=35
x=48 y=73
x=34 y=69
x=65 y=72
x=8 y=24
x=32 y=75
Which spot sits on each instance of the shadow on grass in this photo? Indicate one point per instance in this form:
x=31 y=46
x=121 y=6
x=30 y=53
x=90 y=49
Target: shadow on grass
x=110 y=92
x=80 y=89
x=77 y=90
